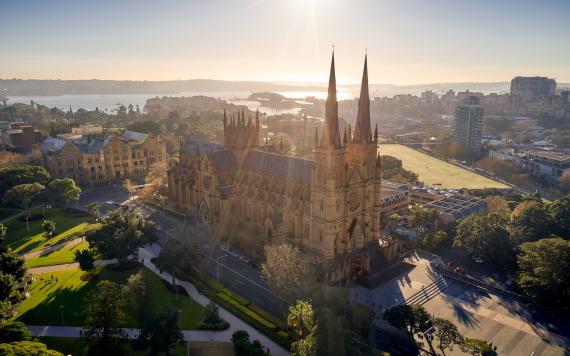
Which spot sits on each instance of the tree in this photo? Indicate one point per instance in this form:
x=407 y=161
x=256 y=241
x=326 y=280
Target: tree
x=177 y=256
x=286 y=273
x=212 y=320
x=301 y=319
x=49 y=226
x=10 y=159
x=532 y=219
x=486 y=236
x=564 y=182
x=138 y=295
x=331 y=334
x=545 y=270
x=433 y=241
x=392 y=169
x=24 y=195
x=94 y=209
x=447 y=334
x=11 y=331
x=9 y=296
x=163 y=332
x=421 y=216
x=362 y=319
x=13 y=264
x=477 y=347
x=12 y=176
x=86 y=259
x=3 y=230
x=129 y=187
x=121 y=235
x=498 y=205
x=103 y=319
x=62 y=192
x=411 y=318
x=244 y=347
x=27 y=348
x=559 y=210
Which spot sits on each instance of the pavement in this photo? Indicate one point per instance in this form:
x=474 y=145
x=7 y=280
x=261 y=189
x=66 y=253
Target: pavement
x=515 y=328
x=53 y=248
x=74 y=331
x=53 y=268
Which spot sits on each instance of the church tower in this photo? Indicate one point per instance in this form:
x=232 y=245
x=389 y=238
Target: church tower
x=363 y=175
x=328 y=182
x=241 y=134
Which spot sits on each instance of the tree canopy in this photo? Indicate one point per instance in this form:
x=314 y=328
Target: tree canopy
x=62 y=192
x=121 y=235
x=545 y=270
x=24 y=195
x=12 y=176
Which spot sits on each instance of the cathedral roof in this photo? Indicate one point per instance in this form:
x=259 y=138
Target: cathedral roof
x=280 y=165
x=190 y=146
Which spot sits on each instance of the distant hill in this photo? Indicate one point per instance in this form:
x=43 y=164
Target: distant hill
x=38 y=87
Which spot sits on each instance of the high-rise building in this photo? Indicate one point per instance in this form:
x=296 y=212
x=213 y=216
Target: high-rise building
x=468 y=123
x=530 y=88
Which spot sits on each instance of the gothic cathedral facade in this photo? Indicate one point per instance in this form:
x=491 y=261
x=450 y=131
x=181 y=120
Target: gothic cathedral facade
x=328 y=206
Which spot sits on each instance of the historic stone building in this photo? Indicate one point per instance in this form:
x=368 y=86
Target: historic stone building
x=328 y=206
x=101 y=159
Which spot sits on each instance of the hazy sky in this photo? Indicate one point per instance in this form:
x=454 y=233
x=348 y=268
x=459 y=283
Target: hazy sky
x=421 y=41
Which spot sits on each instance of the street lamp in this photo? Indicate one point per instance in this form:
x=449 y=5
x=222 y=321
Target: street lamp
x=180 y=317
x=62 y=320
x=27 y=225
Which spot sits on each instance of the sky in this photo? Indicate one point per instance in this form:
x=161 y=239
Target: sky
x=408 y=41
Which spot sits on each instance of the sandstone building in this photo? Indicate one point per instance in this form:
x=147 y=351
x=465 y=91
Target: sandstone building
x=101 y=159
x=328 y=206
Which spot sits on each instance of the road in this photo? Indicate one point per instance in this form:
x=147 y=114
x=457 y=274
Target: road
x=233 y=273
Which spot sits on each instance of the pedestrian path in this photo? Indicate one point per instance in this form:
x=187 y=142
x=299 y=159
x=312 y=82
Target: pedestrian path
x=75 y=331
x=50 y=249
x=53 y=268
x=149 y=252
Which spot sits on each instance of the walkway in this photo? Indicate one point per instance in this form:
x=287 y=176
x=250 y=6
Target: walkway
x=50 y=249
x=53 y=268
x=74 y=331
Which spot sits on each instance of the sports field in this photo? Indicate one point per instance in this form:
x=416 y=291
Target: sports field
x=435 y=172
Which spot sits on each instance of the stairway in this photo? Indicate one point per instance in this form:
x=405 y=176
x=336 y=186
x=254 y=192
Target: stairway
x=426 y=293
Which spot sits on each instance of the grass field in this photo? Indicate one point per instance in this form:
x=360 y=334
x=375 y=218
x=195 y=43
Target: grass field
x=59 y=257
x=5 y=214
x=67 y=289
x=433 y=171
x=19 y=239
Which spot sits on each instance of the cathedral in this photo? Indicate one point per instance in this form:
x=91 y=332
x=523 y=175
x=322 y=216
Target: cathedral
x=327 y=206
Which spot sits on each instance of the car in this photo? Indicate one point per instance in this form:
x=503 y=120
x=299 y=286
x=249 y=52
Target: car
x=157 y=227
x=110 y=202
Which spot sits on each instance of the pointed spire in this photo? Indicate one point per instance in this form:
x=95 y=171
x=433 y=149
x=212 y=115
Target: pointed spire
x=362 y=130
x=349 y=132
x=345 y=140
x=331 y=134
x=257 y=118
x=316 y=137
x=225 y=119
x=376 y=134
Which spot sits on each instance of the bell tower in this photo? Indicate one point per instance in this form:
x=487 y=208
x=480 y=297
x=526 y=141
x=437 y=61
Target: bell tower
x=363 y=176
x=328 y=182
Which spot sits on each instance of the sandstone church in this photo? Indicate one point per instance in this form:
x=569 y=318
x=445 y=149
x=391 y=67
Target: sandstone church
x=328 y=206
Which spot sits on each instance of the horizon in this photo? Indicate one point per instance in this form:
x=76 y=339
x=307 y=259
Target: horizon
x=409 y=43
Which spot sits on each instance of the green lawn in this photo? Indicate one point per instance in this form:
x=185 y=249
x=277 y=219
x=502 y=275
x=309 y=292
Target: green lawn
x=59 y=257
x=76 y=347
x=5 y=214
x=433 y=171
x=67 y=228
x=67 y=289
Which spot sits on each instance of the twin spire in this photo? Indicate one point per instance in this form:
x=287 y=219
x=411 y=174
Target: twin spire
x=362 y=130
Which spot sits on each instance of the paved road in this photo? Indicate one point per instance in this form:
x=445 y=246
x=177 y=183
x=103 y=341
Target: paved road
x=233 y=273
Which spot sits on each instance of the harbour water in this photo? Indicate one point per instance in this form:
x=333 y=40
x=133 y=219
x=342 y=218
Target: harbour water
x=110 y=102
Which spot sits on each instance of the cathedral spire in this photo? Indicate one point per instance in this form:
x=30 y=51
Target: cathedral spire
x=225 y=119
x=362 y=130
x=331 y=134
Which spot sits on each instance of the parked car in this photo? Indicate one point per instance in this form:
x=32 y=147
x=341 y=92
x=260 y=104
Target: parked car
x=477 y=259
